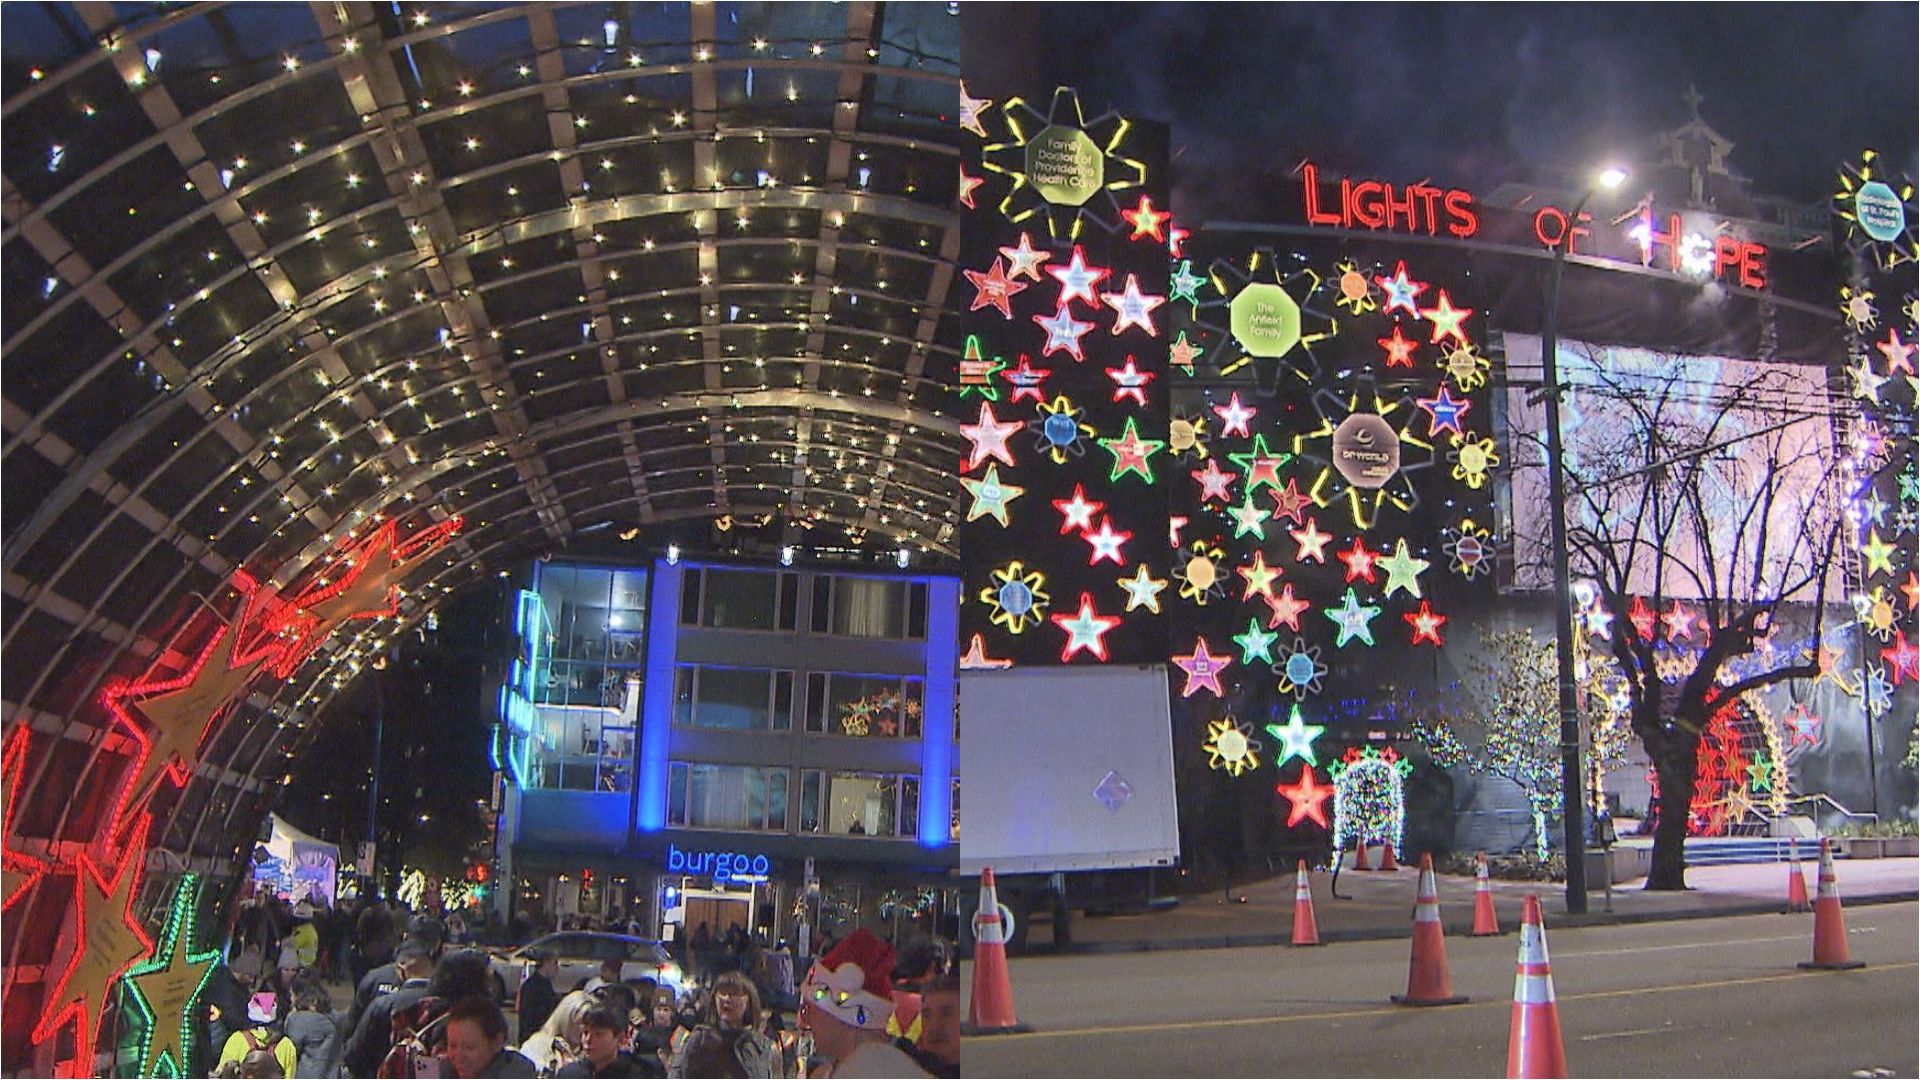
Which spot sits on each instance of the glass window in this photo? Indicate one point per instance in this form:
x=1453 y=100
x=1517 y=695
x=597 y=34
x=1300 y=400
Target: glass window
x=909 y=806
x=953 y=814
x=739 y=599
x=816 y=701
x=740 y=797
x=783 y=701
x=872 y=706
x=720 y=697
x=862 y=805
x=810 y=801
x=869 y=608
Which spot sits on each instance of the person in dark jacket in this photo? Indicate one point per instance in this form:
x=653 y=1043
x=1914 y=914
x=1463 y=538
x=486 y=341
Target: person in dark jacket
x=385 y=979
x=226 y=997
x=537 y=995
x=314 y=1028
x=605 y=1024
x=477 y=1043
x=373 y=1034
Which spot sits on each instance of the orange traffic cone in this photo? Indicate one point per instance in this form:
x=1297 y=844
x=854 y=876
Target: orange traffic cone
x=1534 y=1046
x=1360 y=853
x=1305 y=930
x=1427 y=980
x=1386 y=855
x=1796 y=880
x=1485 y=923
x=992 y=1007
x=1829 y=926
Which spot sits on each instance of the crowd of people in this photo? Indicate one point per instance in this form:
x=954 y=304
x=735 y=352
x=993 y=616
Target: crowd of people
x=425 y=1004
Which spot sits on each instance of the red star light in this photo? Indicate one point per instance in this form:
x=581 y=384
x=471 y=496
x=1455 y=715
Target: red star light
x=1147 y=221
x=1290 y=504
x=1359 y=559
x=1399 y=348
x=1213 y=482
x=1027 y=380
x=107 y=941
x=1679 y=622
x=1899 y=354
x=1077 y=512
x=19 y=871
x=1910 y=589
x=967 y=184
x=994 y=289
x=1234 y=416
x=1106 y=542
x=989 y=438
x=1643 y=618
x=976 y=658
x=1077 y=279
x=1024 y=261
x=1086 y=629
x=1447 y=319
x=1130 y=382
x=1285 y=609
x=1176 y=236
x=1426 y=624
x=1903 y=658
x=1307 y=798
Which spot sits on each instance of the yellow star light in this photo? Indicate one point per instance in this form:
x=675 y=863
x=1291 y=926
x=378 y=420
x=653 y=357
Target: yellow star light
x=1878 y=553
x=1143 y=589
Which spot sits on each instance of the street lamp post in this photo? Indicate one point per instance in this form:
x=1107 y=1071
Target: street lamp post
x=1572 y=782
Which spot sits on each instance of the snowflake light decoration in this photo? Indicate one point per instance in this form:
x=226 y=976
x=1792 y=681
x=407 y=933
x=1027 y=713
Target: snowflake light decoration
x=1879 y=211
x=1473 y=459
x=1470 y=549
x=1367 y=451
x=1018 y=597
x=1262 y=318
x=1061 y=430
x=1199 y=573
x=1857 y=307
x=1063 y=129
x=1187 y=437
x=1356 y=292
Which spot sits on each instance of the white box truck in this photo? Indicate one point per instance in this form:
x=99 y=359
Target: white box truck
x=1067 y=788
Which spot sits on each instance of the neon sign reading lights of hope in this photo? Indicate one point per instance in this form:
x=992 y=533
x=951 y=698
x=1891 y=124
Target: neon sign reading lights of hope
x=1423 y=208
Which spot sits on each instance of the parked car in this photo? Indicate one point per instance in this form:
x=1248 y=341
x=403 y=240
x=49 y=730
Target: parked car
x=580 y=954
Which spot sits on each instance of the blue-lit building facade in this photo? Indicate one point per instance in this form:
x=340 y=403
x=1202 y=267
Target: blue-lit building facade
x=686 y=741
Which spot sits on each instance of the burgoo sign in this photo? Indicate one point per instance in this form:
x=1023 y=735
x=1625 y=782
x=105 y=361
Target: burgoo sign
x=721 y=865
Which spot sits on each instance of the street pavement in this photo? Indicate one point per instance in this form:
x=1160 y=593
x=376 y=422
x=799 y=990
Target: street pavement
x=1376 y=904
x=1715 y=996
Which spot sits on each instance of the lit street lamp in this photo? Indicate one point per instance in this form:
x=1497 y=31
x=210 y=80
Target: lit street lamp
x=1573 y=788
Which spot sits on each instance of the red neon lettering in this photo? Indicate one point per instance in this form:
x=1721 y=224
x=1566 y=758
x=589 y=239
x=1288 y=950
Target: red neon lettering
x=1753 y=273
x=1672 y=237
x=1428 y=195
x=1365 y=210
x=1406 y=208
x=1465 y=222
x=1726 y=253
x=1540 y=218
x=1346 y=204
x=1310 y=181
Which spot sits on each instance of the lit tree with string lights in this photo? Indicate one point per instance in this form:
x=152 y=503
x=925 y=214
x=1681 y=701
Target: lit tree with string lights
x=1701 y=509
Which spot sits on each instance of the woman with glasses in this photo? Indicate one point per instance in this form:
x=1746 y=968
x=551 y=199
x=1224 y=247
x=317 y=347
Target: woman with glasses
x=728 y=1042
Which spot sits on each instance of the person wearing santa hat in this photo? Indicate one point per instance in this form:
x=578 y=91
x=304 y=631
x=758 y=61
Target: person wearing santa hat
x=845 y=1003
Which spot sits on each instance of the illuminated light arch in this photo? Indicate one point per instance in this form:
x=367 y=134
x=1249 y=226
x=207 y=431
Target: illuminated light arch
x=1369 y=798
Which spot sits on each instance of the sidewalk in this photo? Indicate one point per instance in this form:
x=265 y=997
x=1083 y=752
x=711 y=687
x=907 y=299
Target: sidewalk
x=1381 y=905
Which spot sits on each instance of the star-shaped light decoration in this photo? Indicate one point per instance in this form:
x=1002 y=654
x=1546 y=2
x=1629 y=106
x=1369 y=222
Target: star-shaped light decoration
x=1760 y=774
x=1234 y=416
x=106 y=941
x=1130 y=382
x=1086 y=629
x=989 y=438
x=990 y=496
x=1285 y=609
x=1248 y=517
x=1446 y=321
x=1176 y=237
x=1259 y=577
x=976 y=371
x=1143 y=589
x=1106 y=542
x=1025 y=260
x=1401 y=291
x=1300 y=669
x=993 y=288
x=967 y=186
x=1290 y=504
x=365 y=589
x=1678 y=621
x=1866 y=381
x=1131 y=453
x=1877 y=553
x=1296 y=738
x=1261 y=466
x=164 y=988
x=1354 y=620
x=970 y=109
x=1804 y=725
x=1307 y=799
x=976 y=658
x=1426 y=624
x=1910 y=589
x=1027 y=380
x=1399 y=348
x=1899 y=354
x=1077 y=280
x=1184 y=284
x=1643 y=618
x=1228 y=747
x=1359 y=560
x=1203 y=669
x=1255 y=644
x=1181 y=353
x=18 y=871
x=1133 y=308
x=1077 y=512
x=1312 y=543
x=1403 y=570
x=1063 y=334
x=1903 y=659
x=1445 y=411
x=1147 y=222
x=1213 y=481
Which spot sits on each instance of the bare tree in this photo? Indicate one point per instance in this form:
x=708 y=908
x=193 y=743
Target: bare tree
x=1699 y=494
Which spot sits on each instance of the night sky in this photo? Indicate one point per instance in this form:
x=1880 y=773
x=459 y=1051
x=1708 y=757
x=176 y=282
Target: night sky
x=1474 y=94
